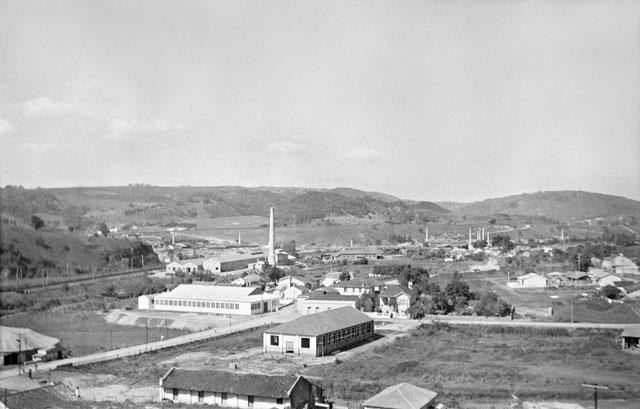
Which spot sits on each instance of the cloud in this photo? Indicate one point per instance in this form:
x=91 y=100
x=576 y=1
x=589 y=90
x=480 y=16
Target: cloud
x=121 y=127
x=45 y=107
x=6 y=128
x=363 y=154
x=287 y=148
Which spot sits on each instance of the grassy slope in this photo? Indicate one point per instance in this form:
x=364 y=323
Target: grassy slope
x=486 y=362
x=85 y=332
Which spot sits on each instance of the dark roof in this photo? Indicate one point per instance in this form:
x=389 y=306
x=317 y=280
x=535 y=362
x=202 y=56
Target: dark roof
x=357 y=283
x=331 y=296
x=271 y=386
x=394 y=290
x=43 y=398
x=322 y=322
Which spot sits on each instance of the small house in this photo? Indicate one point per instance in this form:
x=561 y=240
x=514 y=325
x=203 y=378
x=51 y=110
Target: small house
x=402 y=396
x=631 y=337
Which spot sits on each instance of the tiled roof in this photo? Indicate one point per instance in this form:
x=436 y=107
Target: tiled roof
x=331 y=296
x=43 y=398
x=393 y=290
x=322 y=322
x=356 y=283
x=271 y=386
x=401 y=396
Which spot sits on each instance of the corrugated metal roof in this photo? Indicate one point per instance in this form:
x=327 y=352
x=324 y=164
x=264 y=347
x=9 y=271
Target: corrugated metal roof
x=214 y=292
x=322 y=322
x=631 y=331
x=13 y=339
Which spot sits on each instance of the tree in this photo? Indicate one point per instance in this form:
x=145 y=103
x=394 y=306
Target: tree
x=457 y=292
x=368 y=302
x=102 y=228
x=345 y=276
x=611 y=292
x=37 y=222
x=272 y=273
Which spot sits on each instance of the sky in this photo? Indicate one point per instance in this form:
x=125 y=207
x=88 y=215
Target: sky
x=425 y=100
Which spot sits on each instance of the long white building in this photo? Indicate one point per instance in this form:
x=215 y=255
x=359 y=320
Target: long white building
x=211 y=299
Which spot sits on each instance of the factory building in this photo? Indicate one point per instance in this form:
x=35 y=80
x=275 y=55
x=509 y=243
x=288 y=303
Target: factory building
x=211 y=299
x=231 y=262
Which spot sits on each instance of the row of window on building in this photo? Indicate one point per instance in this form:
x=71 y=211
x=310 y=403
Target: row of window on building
x=223 y=397
x=199 y=304
x=344 y=334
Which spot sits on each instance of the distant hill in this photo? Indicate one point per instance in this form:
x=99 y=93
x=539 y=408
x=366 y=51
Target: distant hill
x=86 y=206
x=558 y=205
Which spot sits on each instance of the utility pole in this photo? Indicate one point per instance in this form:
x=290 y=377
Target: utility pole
x=595 y=391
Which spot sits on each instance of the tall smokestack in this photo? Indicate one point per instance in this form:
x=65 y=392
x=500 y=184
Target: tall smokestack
x=426 y=234
x=469 y=246
x=271 y=258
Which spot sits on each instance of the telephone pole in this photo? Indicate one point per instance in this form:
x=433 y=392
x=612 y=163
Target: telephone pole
x=595 y=391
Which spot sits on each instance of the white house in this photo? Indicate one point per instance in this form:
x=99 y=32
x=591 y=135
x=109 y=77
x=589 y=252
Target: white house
x=357 y=286
x=531 y=280
x=395 y=298
x=238 y=390
x=319 y=301
x=608 y=279
x=211 y=299
x=293 y=292
x=330 y=279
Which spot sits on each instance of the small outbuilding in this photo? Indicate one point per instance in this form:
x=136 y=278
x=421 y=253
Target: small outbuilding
x=19 y=345
x=531 y=280
x=631 y=337
x=402 y=396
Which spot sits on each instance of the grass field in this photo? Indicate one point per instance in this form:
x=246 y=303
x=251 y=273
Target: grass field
x=150 y=366
x=84 y=332
x=471 y=363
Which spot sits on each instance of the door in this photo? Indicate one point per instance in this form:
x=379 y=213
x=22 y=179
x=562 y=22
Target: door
x=289 y=349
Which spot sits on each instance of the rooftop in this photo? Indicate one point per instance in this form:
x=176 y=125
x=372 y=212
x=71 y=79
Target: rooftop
x=401 y=396
x=214 y=292
x=393 y=290
x=356 y=283
x=631 y=331
x=330 y=296
x=322 y=322
x=14 y=339
x=272 y=386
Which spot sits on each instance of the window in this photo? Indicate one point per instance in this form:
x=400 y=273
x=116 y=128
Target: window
x=279 y=401
x=199 y=304
x=237 y=306
x=275 y=340
x=201 y=397
x=175 y=394
x=217 y=305
x=304 y=342
x=250 y=400
x=223 y=396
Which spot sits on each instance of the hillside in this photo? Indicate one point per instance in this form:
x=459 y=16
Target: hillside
x=143 y=204
x=559 y=205
x=25 y=252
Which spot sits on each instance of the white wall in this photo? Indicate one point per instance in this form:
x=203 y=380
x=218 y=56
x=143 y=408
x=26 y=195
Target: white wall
x=215 y=398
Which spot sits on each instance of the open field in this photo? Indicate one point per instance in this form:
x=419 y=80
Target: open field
x=471 y=363
x=84 y=332
x=149 y=367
